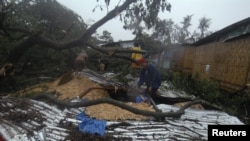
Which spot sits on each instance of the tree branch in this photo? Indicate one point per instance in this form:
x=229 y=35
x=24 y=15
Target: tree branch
x=32 y=40
x=109 y=16
x=122 y=105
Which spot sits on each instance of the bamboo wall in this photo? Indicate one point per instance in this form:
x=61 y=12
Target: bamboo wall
x=188 y=59
x=229 y=63
x=182 y=58
x=226 y=62
x=177 y=59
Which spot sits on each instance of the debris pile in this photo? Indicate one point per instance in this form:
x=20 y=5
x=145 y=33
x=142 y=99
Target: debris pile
x=114 y=113
x=29 y=120
x=74 y=87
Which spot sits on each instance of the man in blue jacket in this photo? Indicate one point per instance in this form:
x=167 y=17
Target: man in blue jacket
x=150 y=76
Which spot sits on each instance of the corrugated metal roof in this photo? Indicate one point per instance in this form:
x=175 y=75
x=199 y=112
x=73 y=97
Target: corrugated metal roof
x=31 y=120
x=23 y=119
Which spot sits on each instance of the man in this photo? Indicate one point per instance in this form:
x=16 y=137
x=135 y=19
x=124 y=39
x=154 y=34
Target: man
x=136 y=56
x=80 y=61
x=101 y=66
x=150 y=76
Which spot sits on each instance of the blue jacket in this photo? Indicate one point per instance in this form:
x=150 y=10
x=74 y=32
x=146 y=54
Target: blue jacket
x=151 y=76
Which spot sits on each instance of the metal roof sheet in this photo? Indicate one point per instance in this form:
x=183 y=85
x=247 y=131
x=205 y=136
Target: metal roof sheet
x=31 y=120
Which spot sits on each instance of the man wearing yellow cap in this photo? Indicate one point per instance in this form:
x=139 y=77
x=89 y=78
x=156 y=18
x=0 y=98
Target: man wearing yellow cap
x=136 y=56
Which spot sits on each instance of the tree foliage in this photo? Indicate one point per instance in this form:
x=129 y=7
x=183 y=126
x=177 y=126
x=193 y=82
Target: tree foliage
x=106 y=36
x=203 y=26
x=34 y=30
x=26 y=18
x=145 y=11
x=168 y=32
x=40 y=27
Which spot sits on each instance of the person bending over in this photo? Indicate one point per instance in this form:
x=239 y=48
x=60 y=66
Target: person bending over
x=150 y=76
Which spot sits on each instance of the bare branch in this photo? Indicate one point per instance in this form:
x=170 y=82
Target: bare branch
x=120 y=104
x=108 y=17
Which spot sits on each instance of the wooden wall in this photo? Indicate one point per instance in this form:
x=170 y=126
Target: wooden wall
x=228 y=63
x=188 y=59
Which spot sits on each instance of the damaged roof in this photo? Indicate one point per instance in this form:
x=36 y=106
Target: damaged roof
x=31 y=120
x=24 y=119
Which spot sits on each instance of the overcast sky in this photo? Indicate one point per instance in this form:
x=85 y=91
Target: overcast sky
x=221 y=12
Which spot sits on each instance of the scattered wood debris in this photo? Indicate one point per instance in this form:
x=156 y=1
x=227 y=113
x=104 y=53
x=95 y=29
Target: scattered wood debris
x=72 y=87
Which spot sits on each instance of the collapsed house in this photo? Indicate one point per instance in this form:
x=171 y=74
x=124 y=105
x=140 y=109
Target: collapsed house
x=32 y=119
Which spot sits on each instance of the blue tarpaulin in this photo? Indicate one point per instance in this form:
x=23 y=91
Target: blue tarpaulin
x=90 y=125
x=141 y=98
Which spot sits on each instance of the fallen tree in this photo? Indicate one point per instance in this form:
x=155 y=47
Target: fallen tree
x=157 y=115
x=43 y=30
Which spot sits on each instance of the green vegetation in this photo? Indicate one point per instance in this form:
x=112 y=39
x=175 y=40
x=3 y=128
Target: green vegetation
x=232 y=103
